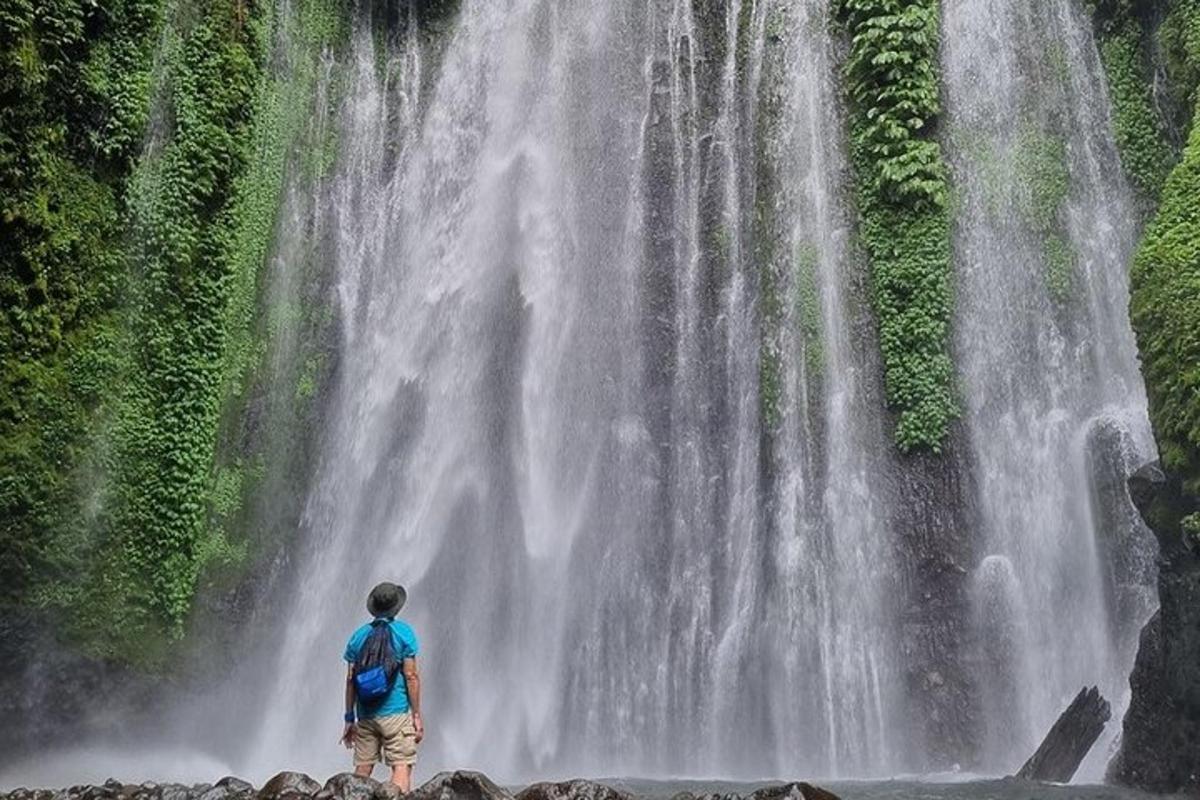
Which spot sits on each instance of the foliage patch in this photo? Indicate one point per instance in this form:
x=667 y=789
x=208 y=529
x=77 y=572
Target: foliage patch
x=902 y=191
x=1165 y=309
x=129 y=286
x=74 y=95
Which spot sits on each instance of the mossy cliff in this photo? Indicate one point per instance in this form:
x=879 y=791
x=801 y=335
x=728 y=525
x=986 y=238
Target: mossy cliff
x=143 y=158
x=74 y=99
x=1165 y=310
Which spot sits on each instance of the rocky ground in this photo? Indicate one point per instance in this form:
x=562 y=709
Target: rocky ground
x=346 y=786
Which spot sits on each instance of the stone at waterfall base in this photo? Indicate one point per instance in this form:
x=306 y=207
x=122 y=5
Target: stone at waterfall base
x=460 y=785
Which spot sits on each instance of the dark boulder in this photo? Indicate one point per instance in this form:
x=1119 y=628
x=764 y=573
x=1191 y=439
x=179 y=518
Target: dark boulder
x=792 y=791
x=348 y=786
x=287 y=785
x=572 y=790
x=709 y=796
x=460 y=785
x=228 y=788
x=232 y=784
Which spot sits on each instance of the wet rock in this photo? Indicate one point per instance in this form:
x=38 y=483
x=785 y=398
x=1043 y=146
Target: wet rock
x=348 y=786
x=228 y=788
x=931 y=511
x=1145 y=484
x=1069 y=740
x=232 y=784
x=287 y=786
x=792 y=791
x=572 y=790
x=1160 y=741
x=459 y=785
x=1125 y=545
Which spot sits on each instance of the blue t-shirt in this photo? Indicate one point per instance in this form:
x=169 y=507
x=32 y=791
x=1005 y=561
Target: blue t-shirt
x=404 y=644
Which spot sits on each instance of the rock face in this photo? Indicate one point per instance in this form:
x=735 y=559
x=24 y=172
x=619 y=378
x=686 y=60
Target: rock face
x=44 y=683
x=932 y=496
x=1160 y=743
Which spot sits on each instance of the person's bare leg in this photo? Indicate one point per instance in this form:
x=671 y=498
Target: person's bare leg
x=402 y=777
x=363 y=769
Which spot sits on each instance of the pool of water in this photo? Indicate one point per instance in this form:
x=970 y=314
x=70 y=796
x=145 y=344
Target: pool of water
x=900 y=789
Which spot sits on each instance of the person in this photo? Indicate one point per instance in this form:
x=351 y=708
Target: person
x=389 y=729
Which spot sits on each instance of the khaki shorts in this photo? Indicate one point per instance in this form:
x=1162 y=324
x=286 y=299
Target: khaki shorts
x=391 y=739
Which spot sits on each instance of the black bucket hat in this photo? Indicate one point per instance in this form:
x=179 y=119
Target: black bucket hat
x=386 y=600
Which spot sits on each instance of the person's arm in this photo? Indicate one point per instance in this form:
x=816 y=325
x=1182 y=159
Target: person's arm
x=412 y=681
x=348 y=731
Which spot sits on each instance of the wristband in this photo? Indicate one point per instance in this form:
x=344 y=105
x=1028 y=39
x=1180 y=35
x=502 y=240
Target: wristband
x=348 y=717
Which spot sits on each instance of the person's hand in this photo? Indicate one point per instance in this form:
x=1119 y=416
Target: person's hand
x=419 y=725
x=348 y=735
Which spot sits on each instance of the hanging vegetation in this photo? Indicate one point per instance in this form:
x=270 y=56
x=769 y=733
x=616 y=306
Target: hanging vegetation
x=902 y=193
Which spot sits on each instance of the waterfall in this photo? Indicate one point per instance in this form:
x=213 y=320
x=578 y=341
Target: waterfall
x=606 y=398
x=1045 y=229
x=546 y=421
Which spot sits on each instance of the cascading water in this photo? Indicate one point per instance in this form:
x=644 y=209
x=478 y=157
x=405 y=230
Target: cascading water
x=607 y=395
x=547 y=421
x=1045 y=230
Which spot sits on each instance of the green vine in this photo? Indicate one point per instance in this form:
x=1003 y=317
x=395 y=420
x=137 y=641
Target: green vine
x=902 y=192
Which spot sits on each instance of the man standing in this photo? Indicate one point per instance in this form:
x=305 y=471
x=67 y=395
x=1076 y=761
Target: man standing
x=388 y=727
